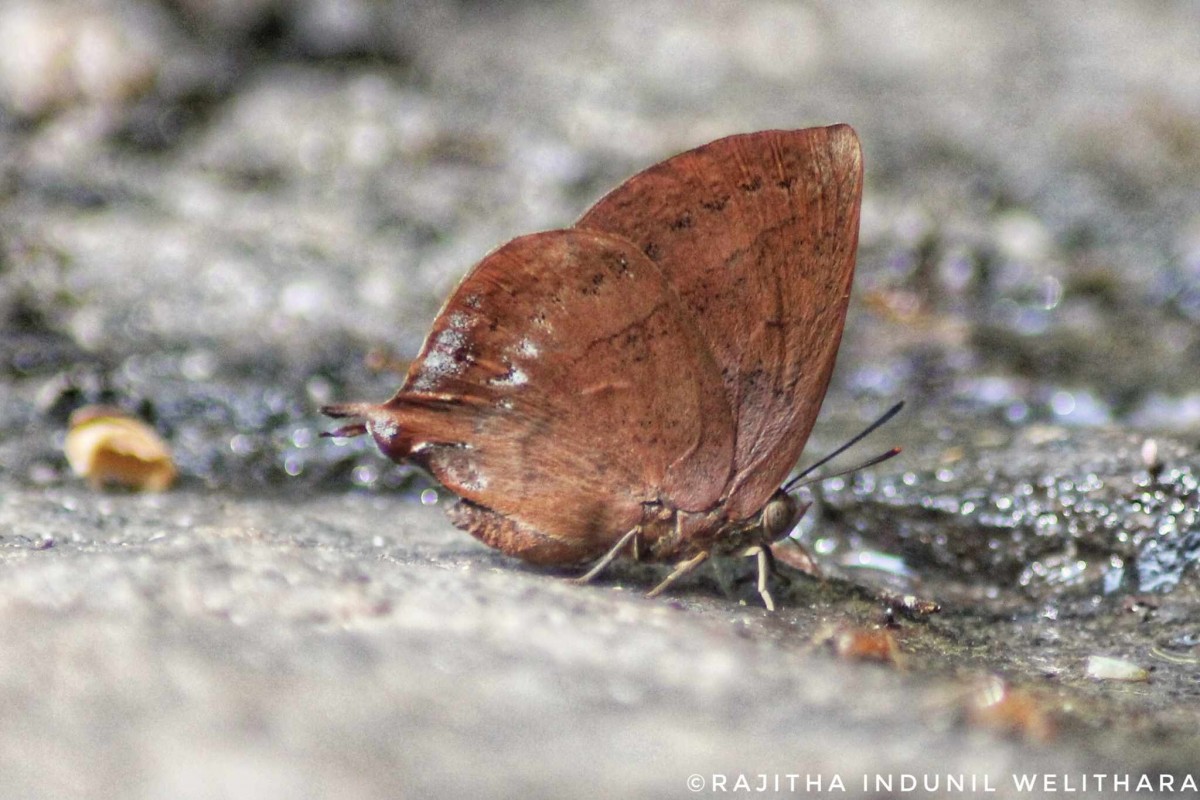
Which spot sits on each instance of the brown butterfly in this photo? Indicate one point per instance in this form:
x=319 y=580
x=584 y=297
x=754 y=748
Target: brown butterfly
x=642 y=383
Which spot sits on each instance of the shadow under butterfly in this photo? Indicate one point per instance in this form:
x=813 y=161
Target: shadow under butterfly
x=642 y=383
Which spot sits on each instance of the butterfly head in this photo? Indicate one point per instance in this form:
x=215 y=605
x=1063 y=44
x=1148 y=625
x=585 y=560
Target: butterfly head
x=780 y=515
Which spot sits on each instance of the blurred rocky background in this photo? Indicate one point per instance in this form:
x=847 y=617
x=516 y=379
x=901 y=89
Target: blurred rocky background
x=216 y=216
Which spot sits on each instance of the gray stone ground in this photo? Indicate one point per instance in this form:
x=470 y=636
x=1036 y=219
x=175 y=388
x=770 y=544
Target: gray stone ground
x=212 y=213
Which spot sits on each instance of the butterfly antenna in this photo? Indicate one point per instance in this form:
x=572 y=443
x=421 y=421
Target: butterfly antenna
x=795 y=482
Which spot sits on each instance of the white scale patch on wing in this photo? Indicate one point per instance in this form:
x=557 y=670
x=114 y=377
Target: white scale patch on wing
x=445 y=358
x=383 y=428
x=514 y=377
x=526 y=348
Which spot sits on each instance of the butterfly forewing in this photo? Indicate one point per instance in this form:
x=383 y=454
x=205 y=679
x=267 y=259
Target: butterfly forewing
x=757 y=233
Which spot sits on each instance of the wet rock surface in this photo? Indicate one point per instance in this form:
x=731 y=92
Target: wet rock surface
x=217 y=217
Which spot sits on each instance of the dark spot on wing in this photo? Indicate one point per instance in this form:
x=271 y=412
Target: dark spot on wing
x=683 y=222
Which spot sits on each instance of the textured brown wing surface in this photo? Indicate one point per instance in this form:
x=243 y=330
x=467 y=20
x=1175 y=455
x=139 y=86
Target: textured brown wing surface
x=757 y=233
x=563 y=385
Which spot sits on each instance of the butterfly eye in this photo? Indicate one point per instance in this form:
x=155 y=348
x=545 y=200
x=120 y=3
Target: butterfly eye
x=778 y=516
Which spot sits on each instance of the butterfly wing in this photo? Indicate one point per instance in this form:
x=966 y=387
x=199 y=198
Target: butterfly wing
x=562 y=386
x=757 y=233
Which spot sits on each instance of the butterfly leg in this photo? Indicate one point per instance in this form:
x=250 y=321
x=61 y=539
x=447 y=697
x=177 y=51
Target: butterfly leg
x=766 y=566
x=611 y=555
x=681 y=569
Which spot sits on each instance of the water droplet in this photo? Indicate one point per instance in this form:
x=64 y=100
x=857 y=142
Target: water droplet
x=364 y=475
x=1052 y=292
x=824 y=546
x=1062 y=403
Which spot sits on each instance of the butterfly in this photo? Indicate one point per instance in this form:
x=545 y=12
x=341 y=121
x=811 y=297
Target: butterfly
x=641 y=383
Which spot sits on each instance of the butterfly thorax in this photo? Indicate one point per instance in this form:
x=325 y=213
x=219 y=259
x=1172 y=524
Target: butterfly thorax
x=670 y=534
